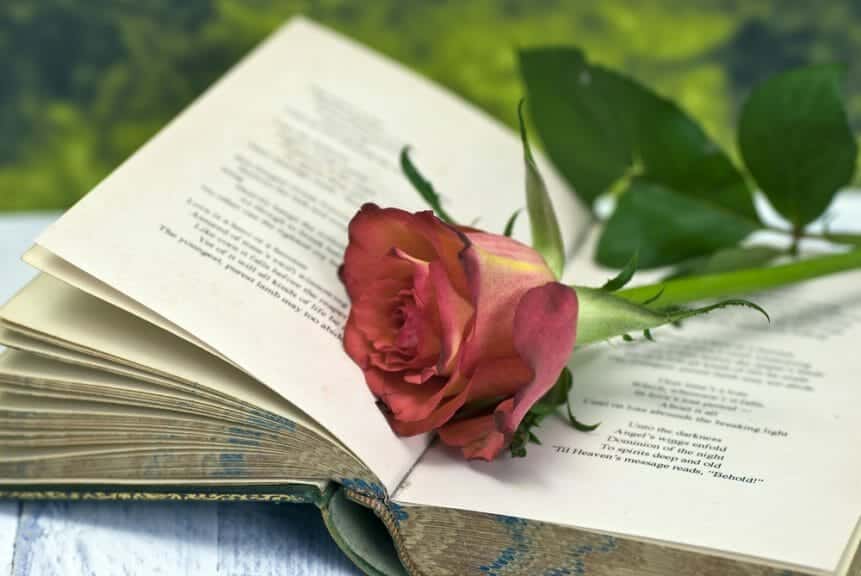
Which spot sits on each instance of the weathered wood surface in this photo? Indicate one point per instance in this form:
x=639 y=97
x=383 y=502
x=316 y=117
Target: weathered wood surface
x=230 y=539
x=168 y=538
x=8 y=532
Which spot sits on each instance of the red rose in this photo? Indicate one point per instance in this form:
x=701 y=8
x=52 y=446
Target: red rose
x=456 y=330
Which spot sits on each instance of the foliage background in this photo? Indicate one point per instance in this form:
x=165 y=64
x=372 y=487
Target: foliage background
x=86 y=82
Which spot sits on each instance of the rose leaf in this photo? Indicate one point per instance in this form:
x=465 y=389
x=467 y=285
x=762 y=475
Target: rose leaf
x=585 y=118
x=796 y=140
x=667 y=227
x=602 y=130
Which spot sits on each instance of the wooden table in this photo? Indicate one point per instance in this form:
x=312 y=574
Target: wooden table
x=108 y=538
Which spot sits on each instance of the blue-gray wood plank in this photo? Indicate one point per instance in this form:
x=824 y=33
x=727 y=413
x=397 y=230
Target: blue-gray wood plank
x=131 y=538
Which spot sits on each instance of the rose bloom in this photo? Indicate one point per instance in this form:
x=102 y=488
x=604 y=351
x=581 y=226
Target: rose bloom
x=455 y=329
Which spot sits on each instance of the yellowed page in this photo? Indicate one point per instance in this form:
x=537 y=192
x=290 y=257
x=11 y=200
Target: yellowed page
x=55 y=311
x=230 y=223
x=44 y=260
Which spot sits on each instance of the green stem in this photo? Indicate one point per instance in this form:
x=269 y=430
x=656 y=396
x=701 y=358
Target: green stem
x=695 y=288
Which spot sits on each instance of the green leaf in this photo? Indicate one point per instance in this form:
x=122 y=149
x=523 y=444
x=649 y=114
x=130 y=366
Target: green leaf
x=524 y=435
x=557 y=395
x=598 y=126
x=622 y=278
x=796 y=141
x=546 y=237
x=677 y=153
x=509 y=226
x=585 y=117
x=604 y=315
x=667 y=227
x=727 y=260
x=543 y=409
x=422 y=186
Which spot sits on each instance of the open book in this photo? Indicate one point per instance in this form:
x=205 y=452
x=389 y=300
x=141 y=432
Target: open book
x=183 y=341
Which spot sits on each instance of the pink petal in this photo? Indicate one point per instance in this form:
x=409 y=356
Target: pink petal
x=425 y=408
x=372 y=311
x=455 y=312
x=499 y=379
x=421 y=275
x=390 y=388
x=422 y=412
x=545 y=329
x=373 y=232
x=477 y=437
x=499 y=271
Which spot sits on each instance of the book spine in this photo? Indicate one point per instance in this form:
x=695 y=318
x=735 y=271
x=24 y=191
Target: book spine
x=366 y=528
x=389 y=515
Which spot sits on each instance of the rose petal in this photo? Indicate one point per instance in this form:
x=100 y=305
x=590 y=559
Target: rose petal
x=422 y=413
x=455 y=313
x=373 y=311
x=545 y=329
x=477 y=437
x=421 y=275
x=499 y=379
x=447 y=241
x=391 y=388
x=375 y=231
x=499 y=271
x=422 y=407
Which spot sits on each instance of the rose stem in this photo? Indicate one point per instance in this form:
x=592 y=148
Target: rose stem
x=728 y=284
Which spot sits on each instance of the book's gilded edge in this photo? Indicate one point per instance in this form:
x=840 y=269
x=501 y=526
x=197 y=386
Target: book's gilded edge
x=282 y=493
x=396 y=519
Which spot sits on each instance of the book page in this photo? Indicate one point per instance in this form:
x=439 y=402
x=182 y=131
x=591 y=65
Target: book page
x=74 y=277
x=730 y=434
x=57 y=313
x=231 y=222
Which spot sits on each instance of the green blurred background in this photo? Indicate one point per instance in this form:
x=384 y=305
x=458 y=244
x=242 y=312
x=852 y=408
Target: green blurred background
x=86 y=82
